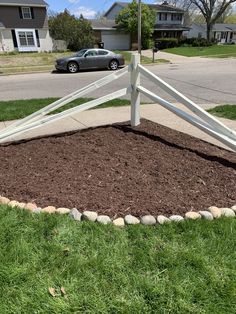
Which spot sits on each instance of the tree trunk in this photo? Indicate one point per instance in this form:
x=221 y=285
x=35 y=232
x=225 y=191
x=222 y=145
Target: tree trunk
x=209 y=32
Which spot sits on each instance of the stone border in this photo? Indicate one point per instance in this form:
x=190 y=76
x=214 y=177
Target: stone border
x=211 y=213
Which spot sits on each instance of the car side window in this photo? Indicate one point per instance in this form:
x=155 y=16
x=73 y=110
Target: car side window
x=102 y=52
x=91 y=53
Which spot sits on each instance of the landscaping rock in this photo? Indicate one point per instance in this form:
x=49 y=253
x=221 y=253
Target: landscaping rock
x=234 y=208
x=119 y=222
x=162 y=219
x=49 y=209
x=176 y=218
x=103 y=219
x=63 y=210
x=75 y=214
x=37 y=210
x=131 y=220
x=227 y=212
x=13 y=203
x=206 y=215
x=21 y=205
x=89 y=215
x=148 y=220
x=30 y=206
x=4 y=200
x=192 y=215
x=215 y=211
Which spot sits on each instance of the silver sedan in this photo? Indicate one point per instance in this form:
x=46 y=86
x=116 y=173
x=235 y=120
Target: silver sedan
x=90 y=59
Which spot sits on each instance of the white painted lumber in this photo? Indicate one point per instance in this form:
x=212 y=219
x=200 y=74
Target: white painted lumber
x=67 y=99
x=192 y=120
x=188 y=103
x=61 y=115
x=135 y=94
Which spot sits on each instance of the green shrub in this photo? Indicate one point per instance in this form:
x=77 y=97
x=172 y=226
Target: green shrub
x=164 y=43
x=147 y=43
x=196 y=42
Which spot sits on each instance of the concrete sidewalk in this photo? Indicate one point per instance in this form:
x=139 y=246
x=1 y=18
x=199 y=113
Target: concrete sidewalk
x=98 y=117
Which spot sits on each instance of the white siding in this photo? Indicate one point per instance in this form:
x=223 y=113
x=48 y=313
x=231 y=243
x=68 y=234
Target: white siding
x=1 y=44
x=45 y=40
x=196 y=31
x=7 y=41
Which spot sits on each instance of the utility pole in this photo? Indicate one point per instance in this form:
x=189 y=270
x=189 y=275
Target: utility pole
x=139 y=27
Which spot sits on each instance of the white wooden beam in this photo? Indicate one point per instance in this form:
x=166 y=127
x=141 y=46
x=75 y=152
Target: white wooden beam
x=192 y=120
x=188 y=103
x=61 y=115
x=67 y=99
x=135 y=95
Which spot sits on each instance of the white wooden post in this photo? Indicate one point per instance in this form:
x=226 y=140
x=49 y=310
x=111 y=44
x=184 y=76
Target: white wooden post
x=135 y=94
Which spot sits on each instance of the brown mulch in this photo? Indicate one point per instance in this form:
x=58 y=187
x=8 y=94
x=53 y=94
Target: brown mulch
x=117 y=170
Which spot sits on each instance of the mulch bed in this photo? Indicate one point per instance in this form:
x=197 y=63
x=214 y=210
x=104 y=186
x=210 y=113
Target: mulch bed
x=118 y=170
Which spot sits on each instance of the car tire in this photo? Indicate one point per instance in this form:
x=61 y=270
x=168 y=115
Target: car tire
x=73 y=67
x=113 y=65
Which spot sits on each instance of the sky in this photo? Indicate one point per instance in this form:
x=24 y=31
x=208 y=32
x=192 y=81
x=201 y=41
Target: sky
x=85 y=7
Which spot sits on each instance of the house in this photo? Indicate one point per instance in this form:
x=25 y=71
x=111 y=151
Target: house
x=24 y=26
x=105 y=31
x=223 y=33
x=169 y=23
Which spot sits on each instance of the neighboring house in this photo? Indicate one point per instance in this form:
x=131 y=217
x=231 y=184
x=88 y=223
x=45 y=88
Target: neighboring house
x=24 y=26
x=223 y=33
x=105 y=31
x=169 y=23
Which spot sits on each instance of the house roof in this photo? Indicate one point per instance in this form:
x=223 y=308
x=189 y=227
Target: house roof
x=103 y=24
x=224 y=27
x=220 y=27
x=158 y=7
x=38 y=3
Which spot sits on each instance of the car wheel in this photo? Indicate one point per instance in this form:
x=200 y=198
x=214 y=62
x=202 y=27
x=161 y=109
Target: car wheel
x=73 y=67
x=113 y=65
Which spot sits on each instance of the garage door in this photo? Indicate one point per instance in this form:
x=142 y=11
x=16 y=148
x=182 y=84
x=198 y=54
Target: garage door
x=114 y=41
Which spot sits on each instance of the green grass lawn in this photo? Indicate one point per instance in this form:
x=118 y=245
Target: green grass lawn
x=18 y=109
x=11 y=63
x=224 y=111
x=144 y=60
x=219 y=51
x=180 y=268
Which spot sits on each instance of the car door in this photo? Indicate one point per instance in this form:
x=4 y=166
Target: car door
x=89 y=59
x=103 y=58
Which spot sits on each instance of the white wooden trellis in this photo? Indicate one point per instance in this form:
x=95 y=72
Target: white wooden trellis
x=203 y=120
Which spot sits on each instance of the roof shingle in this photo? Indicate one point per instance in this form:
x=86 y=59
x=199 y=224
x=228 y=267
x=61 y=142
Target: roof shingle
x=23 y=2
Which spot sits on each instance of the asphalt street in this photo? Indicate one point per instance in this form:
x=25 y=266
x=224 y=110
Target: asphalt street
x=205 y=81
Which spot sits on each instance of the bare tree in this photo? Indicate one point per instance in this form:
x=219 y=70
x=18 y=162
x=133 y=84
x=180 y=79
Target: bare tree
x=212 y=10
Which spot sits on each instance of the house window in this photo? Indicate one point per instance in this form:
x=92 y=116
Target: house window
x=176 y=17
x=26 y=13
x=162 y=16
x=26 y=39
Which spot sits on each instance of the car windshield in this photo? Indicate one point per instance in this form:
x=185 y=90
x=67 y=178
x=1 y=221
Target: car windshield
x=81 y=52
